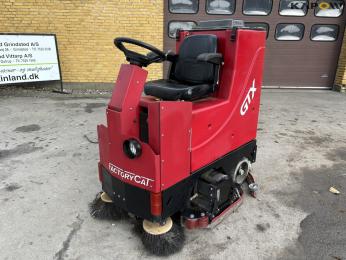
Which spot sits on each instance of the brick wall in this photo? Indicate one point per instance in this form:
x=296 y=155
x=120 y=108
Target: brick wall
x=85 y=31
x=340 y=80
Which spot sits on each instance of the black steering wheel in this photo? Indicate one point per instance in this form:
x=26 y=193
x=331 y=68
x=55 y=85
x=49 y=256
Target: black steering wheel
x=155 y=55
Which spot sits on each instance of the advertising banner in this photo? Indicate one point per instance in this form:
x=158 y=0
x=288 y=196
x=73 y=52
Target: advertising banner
x=28 y=58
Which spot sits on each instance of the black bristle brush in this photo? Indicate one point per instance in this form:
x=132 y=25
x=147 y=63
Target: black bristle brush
x=103 y=208
x=163 y=244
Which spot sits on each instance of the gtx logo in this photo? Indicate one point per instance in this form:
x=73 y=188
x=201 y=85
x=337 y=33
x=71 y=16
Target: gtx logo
x=125 y=175
x=249 y=97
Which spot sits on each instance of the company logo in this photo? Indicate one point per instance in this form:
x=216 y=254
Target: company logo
x=125 y=175
x=249 y=97
x=324 y=5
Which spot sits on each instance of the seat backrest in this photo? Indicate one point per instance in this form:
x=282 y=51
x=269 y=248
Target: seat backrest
x=187 y=69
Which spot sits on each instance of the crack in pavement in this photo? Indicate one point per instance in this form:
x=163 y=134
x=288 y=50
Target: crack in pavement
x=76 y=226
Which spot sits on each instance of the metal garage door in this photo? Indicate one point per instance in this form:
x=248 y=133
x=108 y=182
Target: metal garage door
x=304 y=37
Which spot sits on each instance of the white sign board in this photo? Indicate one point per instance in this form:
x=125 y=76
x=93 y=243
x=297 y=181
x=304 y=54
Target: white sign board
x=28 y=58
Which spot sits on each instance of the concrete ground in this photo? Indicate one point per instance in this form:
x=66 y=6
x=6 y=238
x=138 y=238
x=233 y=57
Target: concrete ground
x=48 y=175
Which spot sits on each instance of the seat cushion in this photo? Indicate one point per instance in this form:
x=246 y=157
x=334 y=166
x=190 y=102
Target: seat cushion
x=187 y=69
x=173 y=90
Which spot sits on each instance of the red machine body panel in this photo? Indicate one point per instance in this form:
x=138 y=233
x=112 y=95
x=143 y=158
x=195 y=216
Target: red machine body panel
x=229 y=119
x=123 y=124
x=165 y=159
x=184 y=136
x=124 y=97
x=123 y=168
x=175 y=141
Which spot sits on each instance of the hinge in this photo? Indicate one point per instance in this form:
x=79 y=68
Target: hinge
x=177 y=35
x=234 y=34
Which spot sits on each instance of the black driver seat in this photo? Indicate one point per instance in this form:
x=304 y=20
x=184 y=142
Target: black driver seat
x=190 y=78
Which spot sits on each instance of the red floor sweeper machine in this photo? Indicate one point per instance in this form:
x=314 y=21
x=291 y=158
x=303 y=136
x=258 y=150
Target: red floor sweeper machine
x=180 y=156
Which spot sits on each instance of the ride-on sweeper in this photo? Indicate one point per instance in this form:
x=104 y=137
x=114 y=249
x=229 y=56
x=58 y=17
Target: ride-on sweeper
x=179 y=156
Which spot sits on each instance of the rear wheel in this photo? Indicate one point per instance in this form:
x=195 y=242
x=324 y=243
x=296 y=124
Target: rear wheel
x=241 y=171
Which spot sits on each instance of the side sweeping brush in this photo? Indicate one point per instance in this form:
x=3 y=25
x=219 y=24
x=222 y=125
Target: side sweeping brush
x=162 y=240
x=102 y=207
